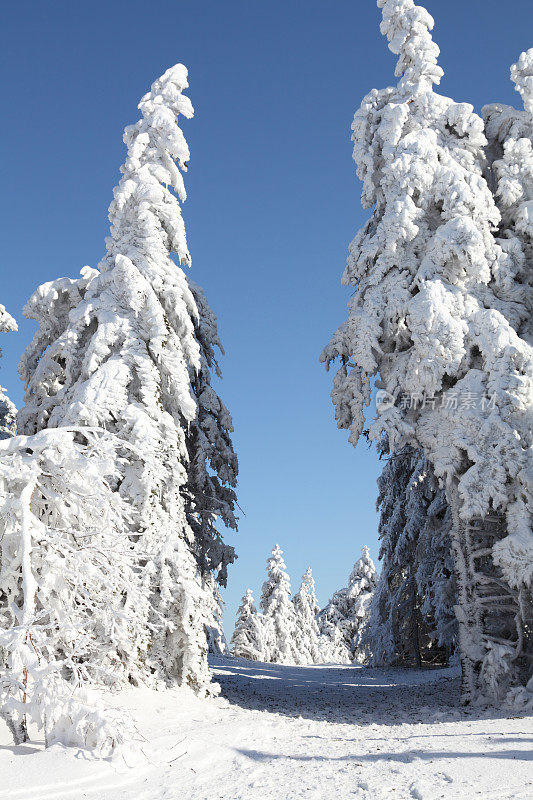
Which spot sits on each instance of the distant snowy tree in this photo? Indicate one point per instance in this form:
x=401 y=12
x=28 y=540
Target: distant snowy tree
x=343 y=618
x=248 y=640
x=330 y=624
x=307 y=634
x=121 y=352
x=278 y=613
x=411 y=618
x=436 y=312
x=72 y=608
x=332 y=643
x=361 y=584
x=8 y=412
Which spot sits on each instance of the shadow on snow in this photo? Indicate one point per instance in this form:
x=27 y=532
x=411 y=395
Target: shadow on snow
x=347 y=694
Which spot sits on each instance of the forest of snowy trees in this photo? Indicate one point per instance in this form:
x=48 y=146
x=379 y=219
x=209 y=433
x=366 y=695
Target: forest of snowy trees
x=119 y=471
x=294 y=630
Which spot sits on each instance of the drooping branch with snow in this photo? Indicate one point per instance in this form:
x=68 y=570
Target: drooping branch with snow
x=73 y=612
x=212 y=463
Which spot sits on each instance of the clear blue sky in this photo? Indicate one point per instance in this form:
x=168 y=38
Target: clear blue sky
x=273 y=202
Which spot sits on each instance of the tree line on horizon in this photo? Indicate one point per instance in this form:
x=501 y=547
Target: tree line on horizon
x=295 y=630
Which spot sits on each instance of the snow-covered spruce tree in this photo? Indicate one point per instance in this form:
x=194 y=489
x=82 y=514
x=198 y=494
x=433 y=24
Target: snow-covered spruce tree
x=124 y=362
x=411 y=619
x=212 y=464
x=72 y=609
x=279 y=616
x=332 y=644
x=8 y=412
x=436 y=311
x=330 y=620
x=510 y=171
x=308 y=639
x=343 y=618
x=248 y=639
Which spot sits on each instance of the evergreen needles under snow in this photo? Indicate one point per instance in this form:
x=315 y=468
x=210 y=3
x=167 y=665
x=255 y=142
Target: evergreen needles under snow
x=411 y=619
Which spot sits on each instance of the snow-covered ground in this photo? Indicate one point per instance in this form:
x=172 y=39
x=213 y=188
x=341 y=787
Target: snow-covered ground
x=280 y=732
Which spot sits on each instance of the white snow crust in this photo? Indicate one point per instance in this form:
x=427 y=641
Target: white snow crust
x=279 y=732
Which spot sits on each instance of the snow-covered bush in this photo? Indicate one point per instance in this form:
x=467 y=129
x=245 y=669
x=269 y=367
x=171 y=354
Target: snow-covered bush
x=438 y=308
x=128 y=349
x=67 y=715
x=72 y=608
x=248 y=640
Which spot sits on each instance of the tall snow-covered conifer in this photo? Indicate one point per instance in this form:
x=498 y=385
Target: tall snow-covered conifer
x=437 y=311
x=308 y=640
x=124 y=357
x=510 y=172
x=278 y=612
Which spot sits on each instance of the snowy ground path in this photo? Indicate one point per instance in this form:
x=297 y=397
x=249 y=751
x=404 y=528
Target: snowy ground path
x=281 y=733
